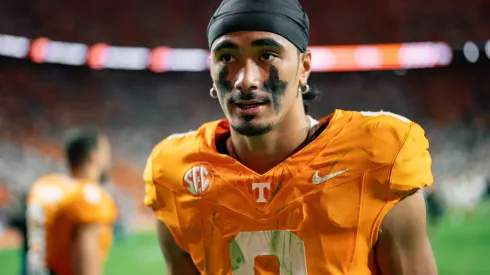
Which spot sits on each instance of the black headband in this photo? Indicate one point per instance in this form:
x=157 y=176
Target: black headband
x=283 y=17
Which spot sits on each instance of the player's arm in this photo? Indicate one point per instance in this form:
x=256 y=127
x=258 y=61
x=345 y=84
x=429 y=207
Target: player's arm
x=178 y=261
x=85 y=250
x=89 y=210
x=403 y=247
x=161 y=201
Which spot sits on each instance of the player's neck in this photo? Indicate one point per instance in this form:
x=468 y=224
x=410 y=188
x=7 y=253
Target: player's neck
x=84 y=173
x=262 y=153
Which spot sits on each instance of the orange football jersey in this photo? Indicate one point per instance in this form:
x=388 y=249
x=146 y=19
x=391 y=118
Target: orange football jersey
x=42 y=200
x=86 y=203
x=317 y=212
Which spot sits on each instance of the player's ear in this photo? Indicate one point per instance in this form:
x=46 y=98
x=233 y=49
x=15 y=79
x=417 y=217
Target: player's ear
x=93 y=157
x=210 y=67
x=305 y=67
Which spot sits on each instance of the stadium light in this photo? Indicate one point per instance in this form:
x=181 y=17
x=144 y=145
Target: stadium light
x=487 y=49
x=470 y=51
x=341 y=58
x=14 y=46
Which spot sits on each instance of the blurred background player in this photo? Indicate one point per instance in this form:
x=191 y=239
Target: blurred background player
x=74 y=213
x=435 y=208
x=42 y=201
x=19 y=222
x=269 y=190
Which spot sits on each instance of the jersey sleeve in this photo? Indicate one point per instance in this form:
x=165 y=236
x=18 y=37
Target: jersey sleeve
x=90 y=204
x=150 y=177
x=411 y=169
x=159 y=198
x=150 y=199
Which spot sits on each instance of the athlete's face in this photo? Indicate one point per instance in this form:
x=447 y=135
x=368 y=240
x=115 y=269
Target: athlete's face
x=257 y=75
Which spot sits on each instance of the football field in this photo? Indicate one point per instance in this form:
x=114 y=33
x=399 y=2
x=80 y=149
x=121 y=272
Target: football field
x=461 y=248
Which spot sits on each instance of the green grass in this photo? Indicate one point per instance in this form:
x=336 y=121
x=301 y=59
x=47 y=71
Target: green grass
x=463 y=248
x=136 y=255
x=460 y=249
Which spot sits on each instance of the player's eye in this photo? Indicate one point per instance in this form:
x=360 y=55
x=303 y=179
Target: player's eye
x=267 y=57
x=227 y=58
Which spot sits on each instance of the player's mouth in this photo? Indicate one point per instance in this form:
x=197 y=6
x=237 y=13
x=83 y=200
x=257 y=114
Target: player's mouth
x=249 y=106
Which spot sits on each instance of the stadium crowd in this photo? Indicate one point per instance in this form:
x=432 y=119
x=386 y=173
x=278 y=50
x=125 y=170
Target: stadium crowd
x=160 y=22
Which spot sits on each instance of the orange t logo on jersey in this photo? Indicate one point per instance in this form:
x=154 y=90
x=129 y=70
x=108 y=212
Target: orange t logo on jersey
x=197 y=179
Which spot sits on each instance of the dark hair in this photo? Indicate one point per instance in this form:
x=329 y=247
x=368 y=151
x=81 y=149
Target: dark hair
x=311 y=95
x=79 y=144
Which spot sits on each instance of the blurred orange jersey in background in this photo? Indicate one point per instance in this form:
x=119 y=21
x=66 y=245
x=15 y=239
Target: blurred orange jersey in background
x=42 y=201
x=317 y=212
x=85 y=203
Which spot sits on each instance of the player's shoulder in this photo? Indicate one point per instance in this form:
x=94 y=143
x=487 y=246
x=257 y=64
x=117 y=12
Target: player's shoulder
x=89 y=202
x=384 y=121
x=174 y=144
x=377 y=137
x=387 y=127
x=50 y=179
x=176 y=148
x=177 y=154
x=188 y=141
x=389 y=140
x=49 y=188
x=86 y=192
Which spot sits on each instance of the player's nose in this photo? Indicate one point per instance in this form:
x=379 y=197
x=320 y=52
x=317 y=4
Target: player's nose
x=248 y=78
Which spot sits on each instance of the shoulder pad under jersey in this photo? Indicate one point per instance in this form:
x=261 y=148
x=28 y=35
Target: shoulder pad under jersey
x=89 y=203
x=391 y=139
x=170 y=158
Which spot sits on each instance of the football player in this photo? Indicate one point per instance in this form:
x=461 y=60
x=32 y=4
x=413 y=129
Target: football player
x=42 y=200
x=269 y=190
x=70 y=216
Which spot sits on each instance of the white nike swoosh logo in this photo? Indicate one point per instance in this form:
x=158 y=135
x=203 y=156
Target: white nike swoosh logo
x=317 y=179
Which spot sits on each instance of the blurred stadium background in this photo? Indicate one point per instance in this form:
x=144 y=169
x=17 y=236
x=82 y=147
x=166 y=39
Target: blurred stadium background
x=138 y=70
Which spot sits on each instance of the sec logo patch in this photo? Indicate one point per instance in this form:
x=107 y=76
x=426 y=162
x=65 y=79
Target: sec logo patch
x=197 y=179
